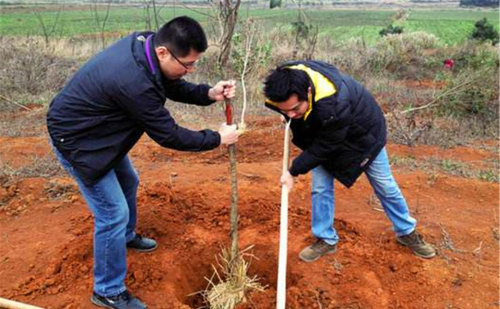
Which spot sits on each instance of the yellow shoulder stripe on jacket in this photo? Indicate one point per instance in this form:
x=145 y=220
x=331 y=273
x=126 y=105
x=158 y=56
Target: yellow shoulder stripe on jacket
x=322 y=86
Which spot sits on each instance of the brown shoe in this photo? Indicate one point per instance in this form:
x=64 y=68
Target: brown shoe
x=316 y=250
x=418 y=246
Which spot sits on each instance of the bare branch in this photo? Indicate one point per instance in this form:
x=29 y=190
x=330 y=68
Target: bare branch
x=248 y=51
x=196 y=11
x=101 y=25
x=104 y=24
x=46 y=32
x=14 y=102
x=155 y=14
x=148 y=15
x=42 y=24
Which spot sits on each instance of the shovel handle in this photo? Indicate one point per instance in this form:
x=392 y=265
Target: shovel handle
x=10 y=304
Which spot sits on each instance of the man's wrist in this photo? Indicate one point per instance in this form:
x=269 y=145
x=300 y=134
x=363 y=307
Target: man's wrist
x=210 y=94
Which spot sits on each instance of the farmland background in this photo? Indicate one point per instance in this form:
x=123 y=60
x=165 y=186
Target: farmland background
x=65 y=35
x=449 y=25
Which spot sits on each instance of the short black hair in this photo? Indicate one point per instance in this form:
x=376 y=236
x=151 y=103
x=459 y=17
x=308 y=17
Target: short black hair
x=180 y=35
x=283 y=82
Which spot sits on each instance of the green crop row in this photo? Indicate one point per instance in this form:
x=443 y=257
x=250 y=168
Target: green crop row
x=450 y=26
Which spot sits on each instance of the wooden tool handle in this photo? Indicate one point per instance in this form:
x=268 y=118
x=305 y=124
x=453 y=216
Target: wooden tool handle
x=10 y=304
x=229 y=112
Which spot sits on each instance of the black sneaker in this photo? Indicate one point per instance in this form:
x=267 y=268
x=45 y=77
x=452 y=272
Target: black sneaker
x=124 y=300
x=142 y=244
x=418 y=246
x=316 y=250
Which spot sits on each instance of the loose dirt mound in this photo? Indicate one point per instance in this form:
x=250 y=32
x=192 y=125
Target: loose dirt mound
x=46 y=233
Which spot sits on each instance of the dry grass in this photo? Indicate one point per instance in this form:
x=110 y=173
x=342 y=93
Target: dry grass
x=233 y=283
x=39 y=74
x=46 y=166
x=29 y=69
x=435 y=166
x=28 y=123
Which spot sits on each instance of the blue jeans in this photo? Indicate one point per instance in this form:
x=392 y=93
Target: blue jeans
x=112 y=201
x=385 y=187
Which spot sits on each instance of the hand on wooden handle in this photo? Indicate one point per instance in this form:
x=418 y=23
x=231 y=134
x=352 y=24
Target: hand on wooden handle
x=228 y=134
x=287 y=179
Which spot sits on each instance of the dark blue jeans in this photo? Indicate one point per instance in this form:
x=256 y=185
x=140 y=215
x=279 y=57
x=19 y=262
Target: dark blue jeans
x=112 y=201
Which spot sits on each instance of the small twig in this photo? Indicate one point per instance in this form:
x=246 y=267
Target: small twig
x=14 y=102
x=417 y=208
x=248 y=51
x=337 y=265
x=320 y=305
x=495 y=232
x=447 y=242
x=251 y=176
x=478 y=254
x=477 y=251
x=196 y=11
x=374 y=201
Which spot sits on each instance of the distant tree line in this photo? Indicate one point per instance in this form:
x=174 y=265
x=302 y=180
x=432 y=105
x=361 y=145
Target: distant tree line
x=486 y=3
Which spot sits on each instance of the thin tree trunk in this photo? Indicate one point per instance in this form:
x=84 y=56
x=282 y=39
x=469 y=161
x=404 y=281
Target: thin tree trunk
x=234 y=188
x=234 y=202
x=229 y=15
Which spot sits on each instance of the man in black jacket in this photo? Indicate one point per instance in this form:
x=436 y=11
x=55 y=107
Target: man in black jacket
x=341 y=130
x=100 y=115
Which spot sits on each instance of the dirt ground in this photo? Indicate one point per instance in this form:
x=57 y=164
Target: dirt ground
x=184 y=198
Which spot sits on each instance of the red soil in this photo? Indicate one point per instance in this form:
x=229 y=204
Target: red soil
x=46 y=232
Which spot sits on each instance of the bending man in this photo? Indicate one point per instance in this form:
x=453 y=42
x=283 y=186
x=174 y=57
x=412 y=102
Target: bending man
x=342 y=132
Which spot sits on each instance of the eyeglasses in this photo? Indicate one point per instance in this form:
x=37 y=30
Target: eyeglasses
x=187 y=66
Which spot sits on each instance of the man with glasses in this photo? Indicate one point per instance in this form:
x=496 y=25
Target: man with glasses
x=342 y=132
x=102 y=113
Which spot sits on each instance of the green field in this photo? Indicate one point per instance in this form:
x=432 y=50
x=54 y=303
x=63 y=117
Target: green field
x=451 y=26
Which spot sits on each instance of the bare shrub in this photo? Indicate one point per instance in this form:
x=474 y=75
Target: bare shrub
x=403 y=54
x=284 y=51
x=404 y=128
x=28 y=66
x=451 y=131
x=454 y=109
x=352 y=57
x=476 y=103
x=430 y=128
x=407 y=129
x=473 y=56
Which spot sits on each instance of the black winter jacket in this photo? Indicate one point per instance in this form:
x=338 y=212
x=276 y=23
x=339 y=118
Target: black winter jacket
x=112 y=100
x=344 y=129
